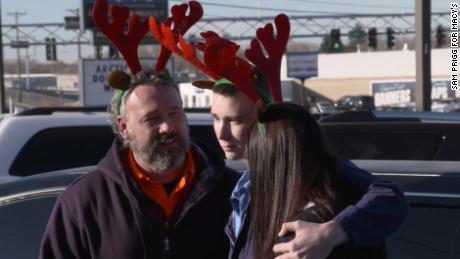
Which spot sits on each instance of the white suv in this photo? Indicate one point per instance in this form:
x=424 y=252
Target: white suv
x=44 y=140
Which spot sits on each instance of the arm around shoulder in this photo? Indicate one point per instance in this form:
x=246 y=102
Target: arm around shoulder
x=378 y=213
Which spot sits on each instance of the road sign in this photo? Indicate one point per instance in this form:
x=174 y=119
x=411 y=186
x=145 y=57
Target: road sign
x=144 y=8
x=93 y=75
x=302 y=64
x=357 y=34
x=72 y=22
x=19 y=44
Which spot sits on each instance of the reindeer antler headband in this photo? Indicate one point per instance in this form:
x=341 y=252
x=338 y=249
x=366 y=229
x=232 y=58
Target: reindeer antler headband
x=221 y=63
x=128 y=43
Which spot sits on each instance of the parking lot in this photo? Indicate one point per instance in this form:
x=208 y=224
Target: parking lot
x=429 y=174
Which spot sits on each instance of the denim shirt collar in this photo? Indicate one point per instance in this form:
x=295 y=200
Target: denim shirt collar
x=239 y=200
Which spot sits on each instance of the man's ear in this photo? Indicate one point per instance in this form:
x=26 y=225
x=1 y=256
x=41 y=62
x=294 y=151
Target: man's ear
x=122 y=127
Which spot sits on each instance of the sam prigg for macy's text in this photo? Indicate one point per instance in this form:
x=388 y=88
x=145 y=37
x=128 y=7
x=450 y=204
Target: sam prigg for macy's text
x=454 y=46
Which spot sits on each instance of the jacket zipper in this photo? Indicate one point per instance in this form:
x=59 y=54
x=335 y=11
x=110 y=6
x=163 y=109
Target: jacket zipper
x=166 y=247
x=243 y=225
x=190 y=205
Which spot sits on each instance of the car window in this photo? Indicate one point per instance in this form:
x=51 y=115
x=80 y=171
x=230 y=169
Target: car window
x=61 y=148
x=22 y=224
x=387 y=146
x=428 y=232
x=68 y=147
x=367 y=98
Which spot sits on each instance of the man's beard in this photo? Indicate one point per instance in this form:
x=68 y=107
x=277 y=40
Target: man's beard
x=158 y=158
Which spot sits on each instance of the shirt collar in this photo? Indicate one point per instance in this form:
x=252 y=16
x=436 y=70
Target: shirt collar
x=241 y=194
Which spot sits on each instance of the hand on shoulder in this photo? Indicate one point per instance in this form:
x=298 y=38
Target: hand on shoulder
x=311 y=241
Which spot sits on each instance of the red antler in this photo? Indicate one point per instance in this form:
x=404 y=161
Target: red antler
x=167 y=38
x=271 y=66
x=181 y=25
x=126 y=43
x=220 y=60
x=220 y=57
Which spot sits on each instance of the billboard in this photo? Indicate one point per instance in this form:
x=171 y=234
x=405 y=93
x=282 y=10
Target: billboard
x=394 y=93
x=100 y=39
x=94 y=90
x=143 y=8
x=302 y=64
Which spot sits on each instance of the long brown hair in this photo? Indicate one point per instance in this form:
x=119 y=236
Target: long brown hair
x=290 y=165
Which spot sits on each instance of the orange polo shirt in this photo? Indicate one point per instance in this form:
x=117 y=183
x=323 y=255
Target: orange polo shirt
x=156 y=192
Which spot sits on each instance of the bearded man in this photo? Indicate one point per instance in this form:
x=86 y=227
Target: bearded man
x=154 y=195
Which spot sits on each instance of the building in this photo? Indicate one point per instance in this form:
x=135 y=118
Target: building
x=193 y=97
x=360 y=73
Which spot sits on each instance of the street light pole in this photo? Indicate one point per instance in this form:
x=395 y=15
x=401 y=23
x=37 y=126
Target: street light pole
x=18 y=53
x=2 y=81
x=76 y=12
x=423 y=55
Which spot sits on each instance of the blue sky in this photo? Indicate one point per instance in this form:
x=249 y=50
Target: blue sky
x=42 y=11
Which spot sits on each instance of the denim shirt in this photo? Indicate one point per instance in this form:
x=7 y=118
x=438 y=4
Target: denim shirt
x=239 y=200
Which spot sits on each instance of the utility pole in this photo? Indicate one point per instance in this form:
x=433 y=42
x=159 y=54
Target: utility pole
x=18 y=53
x=2 y=72
x=423 y=55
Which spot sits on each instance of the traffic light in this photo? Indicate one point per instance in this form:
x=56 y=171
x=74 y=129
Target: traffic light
x=336 y=44
x=440 y=36
x=98 y=51
x=372 y=37
x=390 y=38
x=50 y=49
x=113 y=52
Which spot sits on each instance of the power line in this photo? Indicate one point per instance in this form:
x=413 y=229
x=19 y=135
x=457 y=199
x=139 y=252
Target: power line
x=246 y=7
x=210 y=15
x=351 y=4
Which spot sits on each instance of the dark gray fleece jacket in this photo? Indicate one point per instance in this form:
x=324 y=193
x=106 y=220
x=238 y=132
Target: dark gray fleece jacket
x=104 y=215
